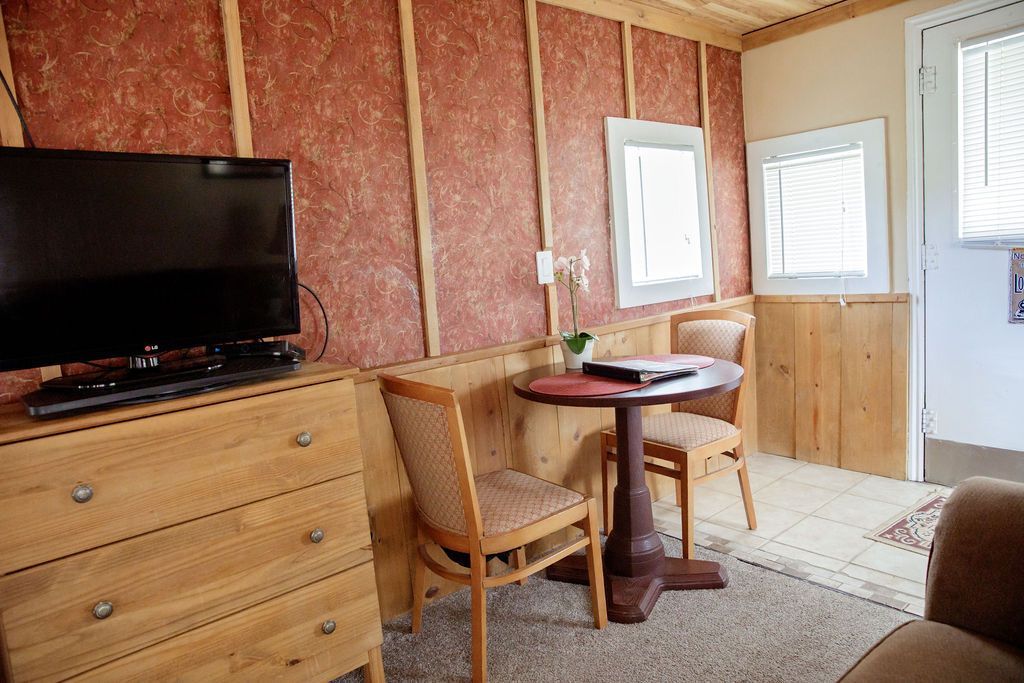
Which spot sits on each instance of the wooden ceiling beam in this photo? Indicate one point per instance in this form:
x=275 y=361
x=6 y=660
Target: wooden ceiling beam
x=664 y=21
x=826 y=16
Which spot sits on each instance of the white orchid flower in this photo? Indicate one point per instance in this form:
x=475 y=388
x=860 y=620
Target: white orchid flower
x=571 y=271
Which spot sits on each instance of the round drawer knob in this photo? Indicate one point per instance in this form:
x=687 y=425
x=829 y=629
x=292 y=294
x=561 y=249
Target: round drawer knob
x=82 y=493
x=304 y=439
x=102 y=610
x=316 y=535
x=329 y=626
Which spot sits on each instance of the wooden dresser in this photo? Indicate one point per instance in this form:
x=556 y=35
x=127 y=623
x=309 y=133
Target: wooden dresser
x=222 y=536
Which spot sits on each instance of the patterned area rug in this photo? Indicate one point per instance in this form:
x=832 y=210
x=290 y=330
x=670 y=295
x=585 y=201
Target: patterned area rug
x=914 y=528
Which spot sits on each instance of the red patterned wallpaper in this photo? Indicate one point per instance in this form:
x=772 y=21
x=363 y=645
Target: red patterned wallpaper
x=117 y=75
x=581 y=62
x=581 y=57
x=725 y=104
x=326 y=91
x=478 y=132
x=667 y=71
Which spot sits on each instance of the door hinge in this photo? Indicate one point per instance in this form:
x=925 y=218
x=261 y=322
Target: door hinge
x=928 y=421
x=926 y=80
x=929 y=257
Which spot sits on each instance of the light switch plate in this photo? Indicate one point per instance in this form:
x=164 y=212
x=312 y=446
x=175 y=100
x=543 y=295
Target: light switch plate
x=545 y=268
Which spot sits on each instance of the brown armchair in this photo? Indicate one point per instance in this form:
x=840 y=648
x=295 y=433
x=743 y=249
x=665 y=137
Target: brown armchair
x=973 y=627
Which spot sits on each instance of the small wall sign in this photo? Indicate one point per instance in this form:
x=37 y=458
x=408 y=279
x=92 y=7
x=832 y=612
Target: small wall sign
x=1017 y=286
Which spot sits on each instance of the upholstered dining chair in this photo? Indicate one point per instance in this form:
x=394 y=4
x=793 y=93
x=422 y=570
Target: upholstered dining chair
x=480 y=516
x=697 y=430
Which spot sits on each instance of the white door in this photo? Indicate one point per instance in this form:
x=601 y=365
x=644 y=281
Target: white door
x=973 y=204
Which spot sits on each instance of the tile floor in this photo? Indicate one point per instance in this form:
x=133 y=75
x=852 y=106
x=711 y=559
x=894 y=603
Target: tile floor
x=811 y=524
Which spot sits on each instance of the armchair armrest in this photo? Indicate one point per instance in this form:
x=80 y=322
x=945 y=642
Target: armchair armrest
x=975 y=576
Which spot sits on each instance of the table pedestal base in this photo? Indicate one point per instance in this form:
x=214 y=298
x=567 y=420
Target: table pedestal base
x=631 y=599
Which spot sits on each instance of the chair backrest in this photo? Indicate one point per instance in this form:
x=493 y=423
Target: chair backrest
x=722 y=334
x=431 y=438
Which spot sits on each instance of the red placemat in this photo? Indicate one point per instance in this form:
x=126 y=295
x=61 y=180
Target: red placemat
x=681 y=358
x=578 y=384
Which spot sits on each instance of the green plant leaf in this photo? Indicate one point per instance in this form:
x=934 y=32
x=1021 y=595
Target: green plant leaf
x=576 y=344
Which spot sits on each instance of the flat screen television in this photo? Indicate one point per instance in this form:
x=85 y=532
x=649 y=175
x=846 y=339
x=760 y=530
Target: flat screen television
x=109 y=254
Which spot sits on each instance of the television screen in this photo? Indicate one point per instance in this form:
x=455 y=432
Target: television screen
x=105 y=254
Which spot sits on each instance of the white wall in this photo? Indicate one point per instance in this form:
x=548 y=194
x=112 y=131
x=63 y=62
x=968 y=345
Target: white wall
x=850 y=71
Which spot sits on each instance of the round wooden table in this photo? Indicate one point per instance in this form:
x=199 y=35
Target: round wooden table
x=636 y=569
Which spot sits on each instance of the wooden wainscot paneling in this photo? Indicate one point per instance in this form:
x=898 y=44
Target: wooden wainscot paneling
x=832 y=380
x=557 y=443
x=775 y=378
x=816 y=338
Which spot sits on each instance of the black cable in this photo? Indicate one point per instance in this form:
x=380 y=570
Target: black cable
x=327 y=323
x=17 y=110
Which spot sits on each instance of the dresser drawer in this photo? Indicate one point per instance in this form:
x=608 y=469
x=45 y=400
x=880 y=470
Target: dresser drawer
x=170 y=581
x=282 y=639
x=149 y=474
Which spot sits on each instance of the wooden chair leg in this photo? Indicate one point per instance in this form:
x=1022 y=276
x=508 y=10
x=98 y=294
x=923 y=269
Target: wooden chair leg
x=595 y=571
x=419 y=588
x=606 y=496
x=748 y=496
x=686 y=507
x=518 y=562
x=679 y=485
x=373 y=670
x=478 y=571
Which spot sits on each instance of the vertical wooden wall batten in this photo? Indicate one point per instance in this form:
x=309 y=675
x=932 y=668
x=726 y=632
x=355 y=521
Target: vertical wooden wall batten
x=418 y=163
x=11 y=135
x=241 y=126
x=627 y=69
x=705 y=123
x=10 y=127
x=540 y=139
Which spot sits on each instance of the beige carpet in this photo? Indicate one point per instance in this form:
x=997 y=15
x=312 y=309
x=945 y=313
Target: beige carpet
x=764 y=626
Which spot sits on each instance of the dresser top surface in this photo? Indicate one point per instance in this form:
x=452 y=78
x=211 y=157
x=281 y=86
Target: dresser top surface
x=16 y=425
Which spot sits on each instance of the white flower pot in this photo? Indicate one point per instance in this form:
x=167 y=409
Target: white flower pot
x=574 y=361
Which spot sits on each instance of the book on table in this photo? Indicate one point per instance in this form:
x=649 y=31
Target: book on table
x=637 y=371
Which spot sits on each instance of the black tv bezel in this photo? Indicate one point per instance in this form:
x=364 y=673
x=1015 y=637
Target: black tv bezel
x=162 y=345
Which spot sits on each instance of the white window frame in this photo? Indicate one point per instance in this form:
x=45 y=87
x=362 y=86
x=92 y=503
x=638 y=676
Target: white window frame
x=871 y=135
x=619 y=132
x=1012 y=240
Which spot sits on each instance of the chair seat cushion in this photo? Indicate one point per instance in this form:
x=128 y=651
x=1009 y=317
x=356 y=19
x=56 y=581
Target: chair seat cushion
x=510 y=500
x=685 y=431
x=930 y=651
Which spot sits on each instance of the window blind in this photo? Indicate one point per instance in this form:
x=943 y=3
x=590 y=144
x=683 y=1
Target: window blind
x=814 y=213
x=992 y=140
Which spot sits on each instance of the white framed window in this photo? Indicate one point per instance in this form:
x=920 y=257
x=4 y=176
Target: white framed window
x=991 y=140
x=819 y=219
x=659 y=202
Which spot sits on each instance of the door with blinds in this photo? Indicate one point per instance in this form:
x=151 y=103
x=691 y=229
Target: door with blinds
x=973 y=115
